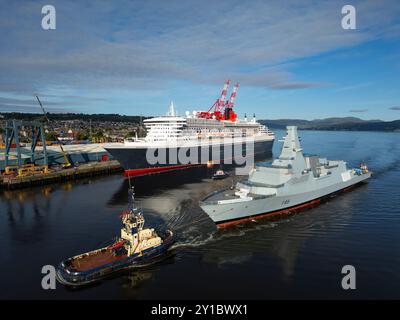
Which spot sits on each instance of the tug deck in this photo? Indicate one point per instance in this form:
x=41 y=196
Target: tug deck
x=97 y=259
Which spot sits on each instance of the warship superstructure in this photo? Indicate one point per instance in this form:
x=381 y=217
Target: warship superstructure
x=290 y=183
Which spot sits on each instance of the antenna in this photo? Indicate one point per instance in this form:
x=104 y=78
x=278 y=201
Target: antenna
x=131 y=196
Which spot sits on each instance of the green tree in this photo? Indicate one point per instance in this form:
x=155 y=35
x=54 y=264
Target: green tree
x=82 y=135
x=51 y=136
x=141 y=131
x=98 y=137
x=130 y=134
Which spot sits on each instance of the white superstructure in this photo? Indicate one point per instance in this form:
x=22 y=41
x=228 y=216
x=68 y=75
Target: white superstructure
x=194 y=127
x=290 y=183
x=198 y=137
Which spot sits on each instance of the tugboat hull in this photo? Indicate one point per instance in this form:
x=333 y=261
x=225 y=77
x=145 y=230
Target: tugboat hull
x=98 y=264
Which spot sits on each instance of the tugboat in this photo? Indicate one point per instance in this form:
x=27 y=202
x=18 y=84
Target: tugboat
x=137 y=246
x=219 y=175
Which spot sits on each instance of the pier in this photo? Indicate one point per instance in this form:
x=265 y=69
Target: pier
x=89 y=169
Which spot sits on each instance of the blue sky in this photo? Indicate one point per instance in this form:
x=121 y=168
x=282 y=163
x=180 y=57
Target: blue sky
x=293 y=59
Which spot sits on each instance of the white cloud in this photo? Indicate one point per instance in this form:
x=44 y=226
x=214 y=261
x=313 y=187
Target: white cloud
x=147 y=44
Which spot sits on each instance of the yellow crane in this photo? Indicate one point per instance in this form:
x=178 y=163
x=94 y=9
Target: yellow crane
x=67 y=161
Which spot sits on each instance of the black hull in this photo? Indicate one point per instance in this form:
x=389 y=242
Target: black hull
x=136 y=158
x=220 y=177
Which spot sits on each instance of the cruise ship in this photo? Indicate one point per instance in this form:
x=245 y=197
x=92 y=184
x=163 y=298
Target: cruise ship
x=199 y=138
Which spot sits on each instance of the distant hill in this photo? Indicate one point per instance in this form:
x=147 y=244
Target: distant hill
x=72 y=116
x=345 y=123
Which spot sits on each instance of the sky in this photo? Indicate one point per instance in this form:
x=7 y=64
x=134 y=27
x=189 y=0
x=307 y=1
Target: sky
x=293 y=59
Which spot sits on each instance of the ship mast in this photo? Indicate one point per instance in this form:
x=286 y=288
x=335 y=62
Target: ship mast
x=134 y=212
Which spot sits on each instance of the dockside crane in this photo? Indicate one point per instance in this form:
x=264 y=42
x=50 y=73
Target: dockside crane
x=67 y=160
x=44 y=111
x=233 y=95
x=222 y=109
x=229 y=113
x=217 y=106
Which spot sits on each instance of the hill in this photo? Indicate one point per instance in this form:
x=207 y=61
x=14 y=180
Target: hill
x=72 y=116
x=345 y=123
x=335 y=123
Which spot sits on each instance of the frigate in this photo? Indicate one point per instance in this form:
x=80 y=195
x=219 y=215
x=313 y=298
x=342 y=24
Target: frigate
x=290 y=183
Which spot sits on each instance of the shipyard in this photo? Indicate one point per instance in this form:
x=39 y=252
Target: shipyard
x=198 y=158
x=171 y=143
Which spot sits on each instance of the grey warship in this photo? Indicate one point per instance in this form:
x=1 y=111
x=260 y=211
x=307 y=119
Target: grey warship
x=291 y=183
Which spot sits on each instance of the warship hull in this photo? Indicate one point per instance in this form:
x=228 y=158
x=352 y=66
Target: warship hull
x=225 y=213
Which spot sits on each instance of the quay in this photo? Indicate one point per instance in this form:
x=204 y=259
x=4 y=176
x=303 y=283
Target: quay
x=89 y=169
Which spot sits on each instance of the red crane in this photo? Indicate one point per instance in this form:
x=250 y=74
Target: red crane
x=233 y=95
x=220 y=104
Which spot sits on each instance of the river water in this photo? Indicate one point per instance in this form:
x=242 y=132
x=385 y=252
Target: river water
x=300 y=256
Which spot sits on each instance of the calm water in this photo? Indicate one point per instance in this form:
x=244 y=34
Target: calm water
x=298 y=257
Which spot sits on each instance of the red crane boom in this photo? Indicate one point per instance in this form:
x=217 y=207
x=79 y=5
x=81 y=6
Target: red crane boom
x=222 y=108
x=233 y=95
